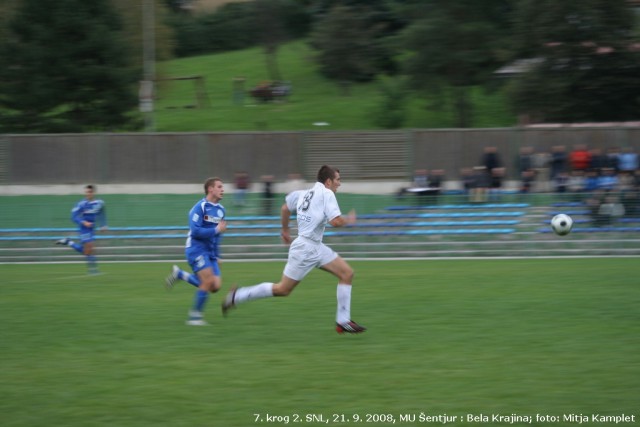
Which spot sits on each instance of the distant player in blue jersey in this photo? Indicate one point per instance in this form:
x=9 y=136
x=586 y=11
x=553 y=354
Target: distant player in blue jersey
x=202 y=249
x=90 y=215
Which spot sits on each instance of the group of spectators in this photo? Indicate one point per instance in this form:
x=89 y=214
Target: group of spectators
x=484 y=181
x=580 y=170
x=606 y=181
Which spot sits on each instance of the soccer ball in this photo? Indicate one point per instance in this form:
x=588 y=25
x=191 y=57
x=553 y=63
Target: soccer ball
x=561 y=224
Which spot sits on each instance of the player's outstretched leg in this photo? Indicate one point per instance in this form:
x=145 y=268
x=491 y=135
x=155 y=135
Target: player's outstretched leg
x=68 y=242
x=229 y=301
x=238 y=295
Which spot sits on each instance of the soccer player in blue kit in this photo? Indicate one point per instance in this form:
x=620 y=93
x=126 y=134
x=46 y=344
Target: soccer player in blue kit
x=87 y=213
x=202 y=249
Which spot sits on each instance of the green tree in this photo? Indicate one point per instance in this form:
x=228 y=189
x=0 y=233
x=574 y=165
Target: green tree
x=64 y=68
x=391 y=111
x=277 y=21
x=346 y=46
x=132 y=28
x=588 y=67
x=453 y=46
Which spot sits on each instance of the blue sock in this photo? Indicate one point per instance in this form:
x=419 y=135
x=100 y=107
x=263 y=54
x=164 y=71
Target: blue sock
x=189 y=278
x=77 y=247
x=92 y=263
x=200 y=300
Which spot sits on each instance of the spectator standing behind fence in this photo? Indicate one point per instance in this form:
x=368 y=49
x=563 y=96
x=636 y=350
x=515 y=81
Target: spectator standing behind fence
x=593 y=202
x=558 y=163
x=467 y=180
x=608 y=180
x=598 y=161
x=613 y=158
x=610 y=210
x=526 y=172
x=591 y=181
x=480 y=184
x=419 y=182
x=526 y=181
x=492 y=163
x=631 y=203
x=491 y=159
x=267 y=194
x=242 y=182
x=497 y=176
x=628 y=160
x=90 y=215
x=525 y=160
x=580 y=158
x=420 y=178
x=436 y=180
x=541 y=161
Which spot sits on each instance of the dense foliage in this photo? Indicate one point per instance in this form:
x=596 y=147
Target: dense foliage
x=64 y=68
x=589 y=61
x=73 y=65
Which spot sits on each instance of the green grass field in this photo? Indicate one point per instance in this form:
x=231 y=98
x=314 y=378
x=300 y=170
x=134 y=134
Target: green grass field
x=314 y=98
x=504 y=337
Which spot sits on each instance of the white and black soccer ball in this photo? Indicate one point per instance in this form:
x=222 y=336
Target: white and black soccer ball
x=561 y=224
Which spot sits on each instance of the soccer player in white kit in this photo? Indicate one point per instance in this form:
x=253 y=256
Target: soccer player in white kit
x=314 y=208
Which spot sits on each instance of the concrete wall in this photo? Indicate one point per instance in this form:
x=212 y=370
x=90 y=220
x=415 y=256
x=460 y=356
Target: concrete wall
x=183 y=158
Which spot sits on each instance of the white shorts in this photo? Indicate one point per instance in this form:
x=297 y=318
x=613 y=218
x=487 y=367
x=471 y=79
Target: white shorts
x=305 y=255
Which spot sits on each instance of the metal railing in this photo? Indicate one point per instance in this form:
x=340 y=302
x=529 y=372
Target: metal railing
x=401 y=228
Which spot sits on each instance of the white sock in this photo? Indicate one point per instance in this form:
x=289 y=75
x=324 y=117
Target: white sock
x=248 y=293
x=343 y=315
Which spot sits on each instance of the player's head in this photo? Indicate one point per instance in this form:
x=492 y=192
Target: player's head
x=213 y=187
x=89 y=191
x=330 y=177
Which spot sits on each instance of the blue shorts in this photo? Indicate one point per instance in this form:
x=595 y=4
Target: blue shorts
x=203 y=260
x=87 y=235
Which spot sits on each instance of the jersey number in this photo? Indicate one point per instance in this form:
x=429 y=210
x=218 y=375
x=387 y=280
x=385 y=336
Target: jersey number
x=200 y=261
x=306 y=201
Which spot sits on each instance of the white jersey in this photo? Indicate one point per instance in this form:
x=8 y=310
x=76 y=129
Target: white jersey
x=314 y=208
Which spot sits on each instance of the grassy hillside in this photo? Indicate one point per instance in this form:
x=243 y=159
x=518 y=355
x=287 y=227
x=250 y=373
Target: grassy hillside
x=314 y=98
x=209 y=5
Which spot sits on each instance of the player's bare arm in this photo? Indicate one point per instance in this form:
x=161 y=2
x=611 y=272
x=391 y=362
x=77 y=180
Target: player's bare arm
x=285 y=214
x=341 y=221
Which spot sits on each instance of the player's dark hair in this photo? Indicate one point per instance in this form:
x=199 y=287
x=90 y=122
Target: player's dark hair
x=90 y=187
x=209 y=182
x=327 y=172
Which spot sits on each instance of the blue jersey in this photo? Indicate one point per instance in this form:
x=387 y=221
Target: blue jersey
x=92 y=211
x=204 y=217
